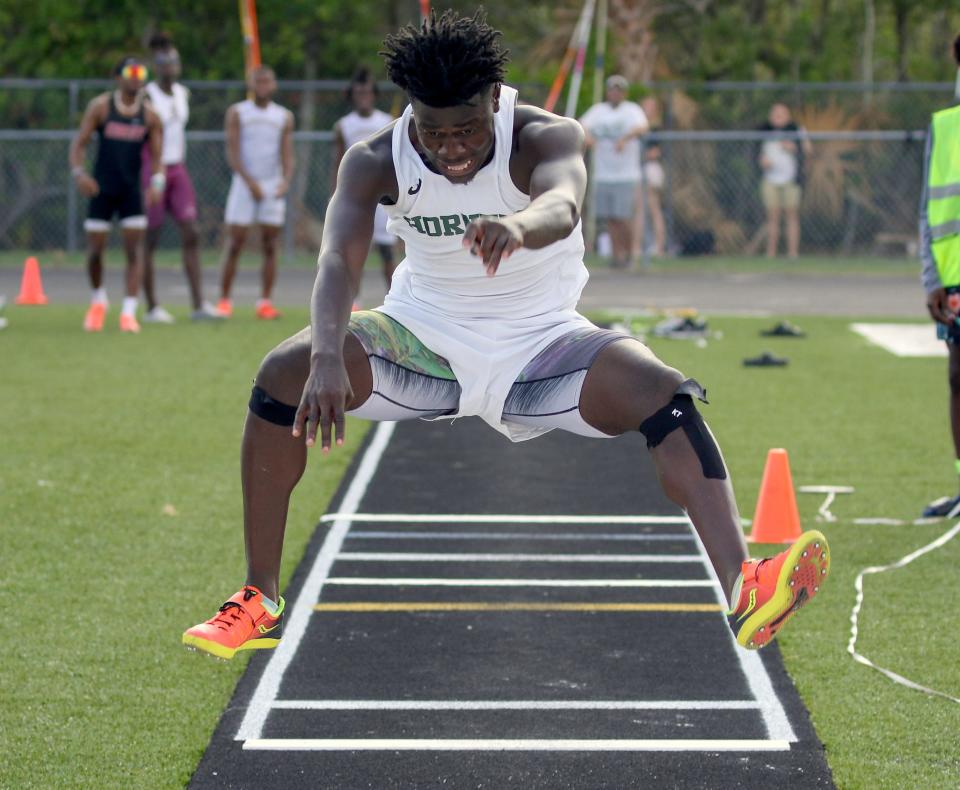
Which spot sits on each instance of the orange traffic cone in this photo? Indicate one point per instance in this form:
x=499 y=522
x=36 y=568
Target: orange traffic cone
x=777 y=519
x=31 y=288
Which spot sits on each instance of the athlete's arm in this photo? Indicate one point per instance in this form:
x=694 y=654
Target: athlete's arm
x=232 y=127
x=347 y=233
x=93 y=116
x=339 y=149
x=286 y=156
x=551 y=157
x=158 y=179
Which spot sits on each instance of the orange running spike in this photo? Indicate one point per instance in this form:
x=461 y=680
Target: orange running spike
x=242 y=623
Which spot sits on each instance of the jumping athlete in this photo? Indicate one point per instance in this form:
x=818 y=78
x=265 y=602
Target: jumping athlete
x=363 y=121
x=171 y=102
x=480 y=320
x=260 y=153
x=124 y=124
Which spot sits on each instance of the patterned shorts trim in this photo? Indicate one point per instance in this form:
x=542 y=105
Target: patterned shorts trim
x=409 y=380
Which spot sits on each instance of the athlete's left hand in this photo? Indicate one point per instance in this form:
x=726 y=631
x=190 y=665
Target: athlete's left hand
x=282 y=188
x=494 y=239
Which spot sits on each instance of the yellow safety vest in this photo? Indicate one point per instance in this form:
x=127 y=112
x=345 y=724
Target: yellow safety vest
x=943 y=195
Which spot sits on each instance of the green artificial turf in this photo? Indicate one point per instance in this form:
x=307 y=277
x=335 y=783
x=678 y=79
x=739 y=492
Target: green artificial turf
x=120 y=513
x=103 y=437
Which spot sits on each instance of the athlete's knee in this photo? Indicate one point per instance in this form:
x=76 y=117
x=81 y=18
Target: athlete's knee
x=680 y=412
x=284 y=370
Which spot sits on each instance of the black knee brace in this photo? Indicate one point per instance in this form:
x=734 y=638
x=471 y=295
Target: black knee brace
x=266 y=408
x=681 y=412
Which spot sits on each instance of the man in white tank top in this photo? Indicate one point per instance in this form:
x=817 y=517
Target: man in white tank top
x=171 y=102
x=480 y=319
x=363 y=121
x=260 y=153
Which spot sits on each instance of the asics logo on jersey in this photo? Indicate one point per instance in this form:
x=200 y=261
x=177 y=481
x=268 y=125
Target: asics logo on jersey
x=445 y=224
x=414 y=190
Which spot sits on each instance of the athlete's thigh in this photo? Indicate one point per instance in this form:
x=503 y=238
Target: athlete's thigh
x=284 y=370
x=548 y=390
x=626 y=384
x=406 y=379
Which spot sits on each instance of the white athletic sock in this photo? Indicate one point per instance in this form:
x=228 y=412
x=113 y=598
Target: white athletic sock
x=129 y=305
x=261 y=302
x=735 y=594
x=271 y=607
x=99 y=296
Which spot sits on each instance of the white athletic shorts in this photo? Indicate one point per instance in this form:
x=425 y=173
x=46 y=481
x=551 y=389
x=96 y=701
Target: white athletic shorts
x=242 y=209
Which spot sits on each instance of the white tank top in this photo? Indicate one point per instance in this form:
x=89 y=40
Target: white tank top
x=431 y=215
x=356 y=127
x=174 y=112
x=261 y=130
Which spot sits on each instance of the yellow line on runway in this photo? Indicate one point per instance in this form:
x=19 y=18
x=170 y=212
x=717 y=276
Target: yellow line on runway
x=512 y=606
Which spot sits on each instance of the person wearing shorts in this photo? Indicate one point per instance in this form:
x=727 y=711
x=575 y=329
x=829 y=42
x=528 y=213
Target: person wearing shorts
x=260 y=153
x=480 y=320
x=613 y=129
x=781 y=159
x=171 y=102
x=360 y=123
x=124 y=125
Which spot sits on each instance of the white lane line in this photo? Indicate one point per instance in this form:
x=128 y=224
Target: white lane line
x=515 y=745
x=406 y=704
x=361 y=581
x=401 y=556
x=294 y=628
x=388 y=534
x=755 y=673
x=473 y=518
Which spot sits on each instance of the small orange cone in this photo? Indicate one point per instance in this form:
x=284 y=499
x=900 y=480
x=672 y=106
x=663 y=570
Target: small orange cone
x=31 y=288
x=777 y=519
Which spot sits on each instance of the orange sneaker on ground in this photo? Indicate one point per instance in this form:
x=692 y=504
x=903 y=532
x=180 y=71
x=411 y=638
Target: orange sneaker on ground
x=93 y=320
x=225 y=308
x=773 y=589
x=242 y=623
x=267 y=312
x=128 y=323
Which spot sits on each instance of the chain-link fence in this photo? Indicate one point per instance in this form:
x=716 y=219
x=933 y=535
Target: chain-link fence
x=860 y=192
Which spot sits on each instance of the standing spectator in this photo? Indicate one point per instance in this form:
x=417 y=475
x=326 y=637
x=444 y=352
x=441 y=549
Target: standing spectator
x=781 y=158
x=613 y=129
x=124 y=124
x=363 y=121
x=171 y=102
x=260 y=153
x=940 y=253
x=649 y=191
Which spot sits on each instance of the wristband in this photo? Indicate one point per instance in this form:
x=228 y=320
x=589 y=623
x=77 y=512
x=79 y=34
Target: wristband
x=77 y=171
x=158 y=181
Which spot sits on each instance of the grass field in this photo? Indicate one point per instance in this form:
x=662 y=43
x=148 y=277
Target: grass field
x=120 y=514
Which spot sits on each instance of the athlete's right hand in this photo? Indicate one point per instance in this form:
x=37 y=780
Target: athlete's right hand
x=939 y=308
x=324 y=400
x=88 y=185
x=255 y=190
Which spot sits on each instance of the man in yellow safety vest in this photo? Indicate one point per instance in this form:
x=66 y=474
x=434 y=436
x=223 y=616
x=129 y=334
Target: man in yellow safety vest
x=940 y=253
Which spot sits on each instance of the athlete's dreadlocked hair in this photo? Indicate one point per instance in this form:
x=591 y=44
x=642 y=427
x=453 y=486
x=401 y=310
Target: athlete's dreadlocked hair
x=447 y=60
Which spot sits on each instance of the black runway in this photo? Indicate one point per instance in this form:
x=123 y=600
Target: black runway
x=490 y=615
